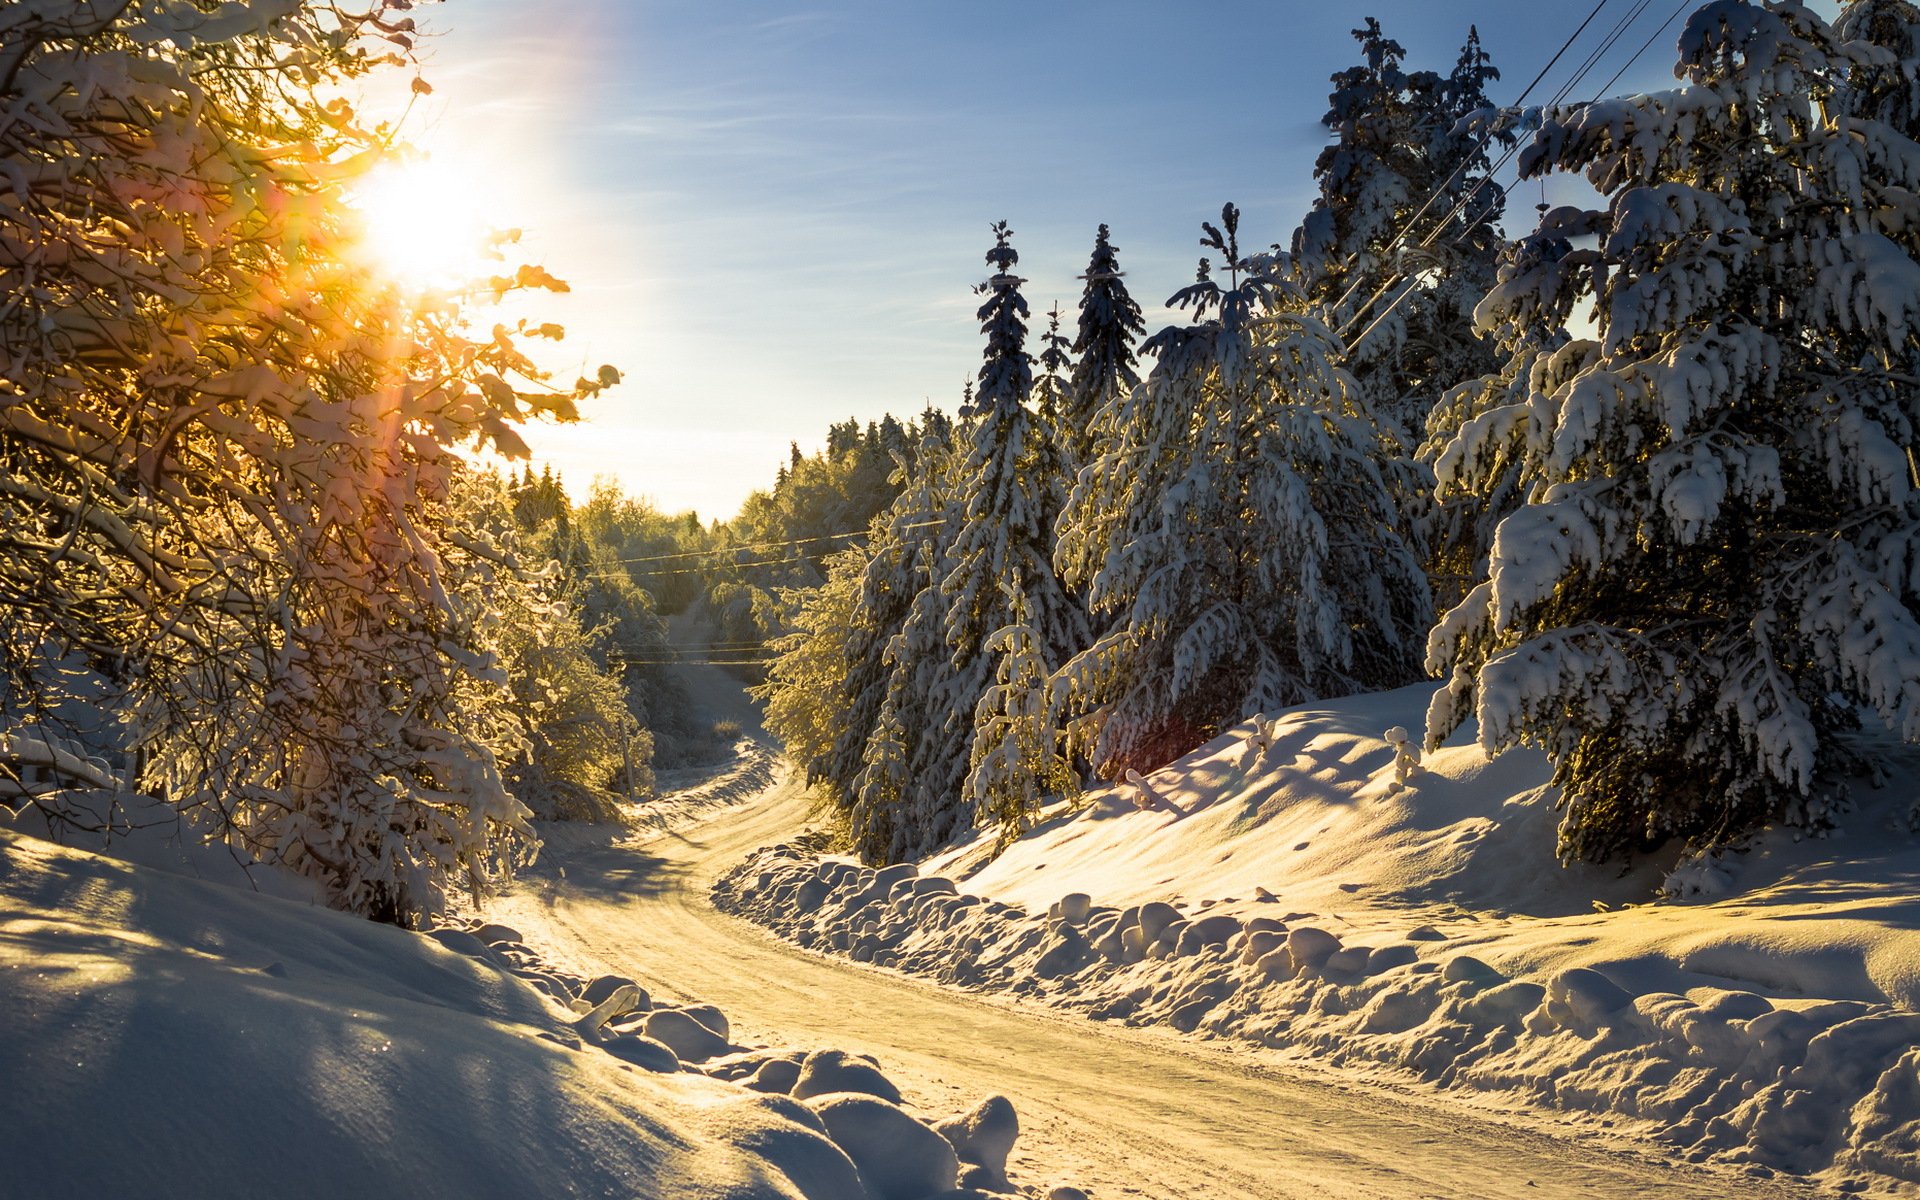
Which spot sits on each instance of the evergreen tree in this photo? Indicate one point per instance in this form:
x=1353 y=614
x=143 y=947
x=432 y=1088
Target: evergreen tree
x=1011 y=481
x=901 y=797
x=1402 y=240
x=1105 y=369
x=1050 y=388
x=1713 y=577
x=1018 y=760
x=1237 y=531
x=1477 y=433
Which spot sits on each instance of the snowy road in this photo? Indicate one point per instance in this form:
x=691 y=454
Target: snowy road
x=1117 y=1111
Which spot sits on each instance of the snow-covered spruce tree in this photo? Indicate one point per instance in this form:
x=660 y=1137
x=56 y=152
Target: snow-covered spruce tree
x=1883 y=89
x=914 y=759
x=1110 y=324
x=1402 y=241
x=1715 y=574
x=1013 y=487
x=1238 y=531
x=914 y=765
x=1476 y=435
x=1050 y=395
x=809 y=690
x=1019 y=761
x=228 y=442
x=828 y=679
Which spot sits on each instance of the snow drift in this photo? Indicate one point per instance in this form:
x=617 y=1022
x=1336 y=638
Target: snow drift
x=170 y=1036
x=1291 y=891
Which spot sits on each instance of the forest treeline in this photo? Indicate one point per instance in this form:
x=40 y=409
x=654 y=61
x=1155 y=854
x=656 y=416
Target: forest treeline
x=1639 y=485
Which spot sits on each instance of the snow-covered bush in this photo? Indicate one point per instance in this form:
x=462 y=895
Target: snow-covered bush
x=228 y=439
x=1717 y=566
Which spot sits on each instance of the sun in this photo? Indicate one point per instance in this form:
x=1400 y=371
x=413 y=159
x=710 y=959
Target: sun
x=423 y=224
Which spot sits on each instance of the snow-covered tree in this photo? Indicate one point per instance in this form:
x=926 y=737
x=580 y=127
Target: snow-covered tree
x=229 y=440
x=1010 y=480
x=1527 y=314
x=1050 y=396
x=583 y=743
x=1019 y=761
x=828 y=679
x=1401 y=243
x=1714 y=575
x=1013 y=488
x=1237 y=530
x=909 y=795
x=1110 y=323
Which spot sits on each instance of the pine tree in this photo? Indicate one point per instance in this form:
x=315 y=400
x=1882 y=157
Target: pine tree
x=1713 y=576
x=1011 y=482
x=1477 y=434
x=1018 y=760
x=1050 y=390
x=1237 y=532
x=1110 y=322
x=1401 y=242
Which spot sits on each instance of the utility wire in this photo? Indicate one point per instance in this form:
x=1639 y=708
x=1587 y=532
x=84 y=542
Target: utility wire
x=824 y=537
x=1565 y=90
x=1647 y=45
x=1407 y=230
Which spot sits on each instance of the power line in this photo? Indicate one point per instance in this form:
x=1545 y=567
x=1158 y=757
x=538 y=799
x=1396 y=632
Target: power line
x=1565 y=90
x=741 y=549
x=762 y=562
x=1644 y=47
x=721 y=566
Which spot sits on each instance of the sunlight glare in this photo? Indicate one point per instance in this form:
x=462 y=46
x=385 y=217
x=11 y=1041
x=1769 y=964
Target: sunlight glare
x=423 y=227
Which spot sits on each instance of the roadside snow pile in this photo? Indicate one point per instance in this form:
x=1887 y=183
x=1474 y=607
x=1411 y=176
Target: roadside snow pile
x=168 y=1036
x=686 y=793
x=847 y=1097
x=1321 y=894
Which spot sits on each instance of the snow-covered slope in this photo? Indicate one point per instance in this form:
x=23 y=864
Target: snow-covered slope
x=1317 y=822
x=167 y=1036
x=1293 y=895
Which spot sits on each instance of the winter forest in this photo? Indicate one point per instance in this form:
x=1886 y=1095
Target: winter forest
x=1540 y=581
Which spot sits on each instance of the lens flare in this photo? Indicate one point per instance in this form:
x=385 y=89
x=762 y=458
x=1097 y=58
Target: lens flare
x=423 y=223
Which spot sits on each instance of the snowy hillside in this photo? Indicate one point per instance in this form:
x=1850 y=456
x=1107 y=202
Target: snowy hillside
x=1293 y=895
x=169 y=1036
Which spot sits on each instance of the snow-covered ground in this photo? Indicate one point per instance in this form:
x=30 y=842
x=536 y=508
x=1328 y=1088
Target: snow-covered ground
x=175 y=1029
x=1292 y=895
x=1115 y=1110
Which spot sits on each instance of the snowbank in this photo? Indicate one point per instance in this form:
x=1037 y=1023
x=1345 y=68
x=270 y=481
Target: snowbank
x=168 y=1036
x=1293 y=894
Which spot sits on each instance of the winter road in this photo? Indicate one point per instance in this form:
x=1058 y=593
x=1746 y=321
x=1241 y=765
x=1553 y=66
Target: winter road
x=1118 y=1112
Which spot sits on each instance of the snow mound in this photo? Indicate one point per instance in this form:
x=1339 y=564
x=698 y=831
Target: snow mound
x=170 y=1037
x=1324 y=895
x=686 y=794
x=899 y=1158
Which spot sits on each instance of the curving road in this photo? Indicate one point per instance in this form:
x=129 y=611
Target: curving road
x=1118 y=1112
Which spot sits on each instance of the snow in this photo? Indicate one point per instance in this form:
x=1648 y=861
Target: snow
x=208 y=1042
x=171 y=1035
x=1303 y=897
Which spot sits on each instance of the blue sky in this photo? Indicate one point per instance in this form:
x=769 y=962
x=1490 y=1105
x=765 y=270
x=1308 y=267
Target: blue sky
x=772 y=216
